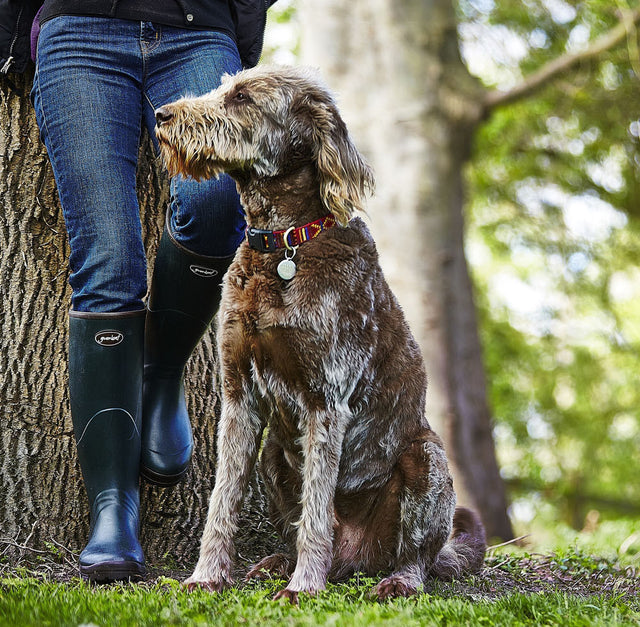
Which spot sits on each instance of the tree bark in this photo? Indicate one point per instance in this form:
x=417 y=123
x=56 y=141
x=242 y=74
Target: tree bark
x=41 y=493
x=413 y=108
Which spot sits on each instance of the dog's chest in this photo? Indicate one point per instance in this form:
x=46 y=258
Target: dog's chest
x=272 y=332
x=254 y=301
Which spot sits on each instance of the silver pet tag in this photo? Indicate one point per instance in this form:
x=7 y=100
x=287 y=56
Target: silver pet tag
x=286 y=269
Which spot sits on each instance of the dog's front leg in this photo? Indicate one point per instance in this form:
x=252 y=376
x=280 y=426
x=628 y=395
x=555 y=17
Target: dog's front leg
x=239 y=436
x=321 y=441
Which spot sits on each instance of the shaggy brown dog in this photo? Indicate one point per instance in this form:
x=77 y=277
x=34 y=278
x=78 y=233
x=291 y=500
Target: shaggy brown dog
x=316 y=349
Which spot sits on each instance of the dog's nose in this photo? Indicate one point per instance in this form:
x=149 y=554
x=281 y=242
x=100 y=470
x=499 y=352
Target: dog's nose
x=163 y=115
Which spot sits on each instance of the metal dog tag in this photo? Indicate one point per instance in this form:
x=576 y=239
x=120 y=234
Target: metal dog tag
x=286 y=269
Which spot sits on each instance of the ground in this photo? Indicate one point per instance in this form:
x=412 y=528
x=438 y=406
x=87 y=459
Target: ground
x=574 y=573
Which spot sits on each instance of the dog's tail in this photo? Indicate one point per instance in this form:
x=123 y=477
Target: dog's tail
x=464 y=551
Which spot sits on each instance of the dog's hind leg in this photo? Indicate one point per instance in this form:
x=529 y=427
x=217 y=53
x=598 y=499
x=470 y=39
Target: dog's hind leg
x=239 y=436
x=427 y=504
x=276 y=566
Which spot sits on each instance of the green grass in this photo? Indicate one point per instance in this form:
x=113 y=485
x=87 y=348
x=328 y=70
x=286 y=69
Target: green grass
x=618 y=539
x=32 y=602
x=569 y=590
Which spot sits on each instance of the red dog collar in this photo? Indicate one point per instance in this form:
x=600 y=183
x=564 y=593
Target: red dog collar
x=269 y=241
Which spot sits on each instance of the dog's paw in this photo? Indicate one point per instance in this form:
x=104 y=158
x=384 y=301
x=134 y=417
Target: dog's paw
x=277 y=566
x=394 y=586
x=290 y=595
x=210 y=585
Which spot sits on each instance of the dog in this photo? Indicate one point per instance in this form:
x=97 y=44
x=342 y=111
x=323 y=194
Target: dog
x=314 y=349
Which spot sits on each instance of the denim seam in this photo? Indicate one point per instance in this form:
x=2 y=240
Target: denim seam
x=149 y=47
x=146 y=97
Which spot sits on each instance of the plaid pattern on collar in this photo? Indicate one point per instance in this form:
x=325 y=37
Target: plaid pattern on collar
x=269 y=241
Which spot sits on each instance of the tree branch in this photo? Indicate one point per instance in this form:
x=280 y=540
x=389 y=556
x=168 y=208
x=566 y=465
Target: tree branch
x=551 y=70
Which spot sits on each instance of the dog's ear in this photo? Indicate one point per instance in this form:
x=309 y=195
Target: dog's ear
x=344 y=176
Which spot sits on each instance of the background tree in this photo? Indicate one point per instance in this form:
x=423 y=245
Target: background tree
x=413 y=108
x=416 y=112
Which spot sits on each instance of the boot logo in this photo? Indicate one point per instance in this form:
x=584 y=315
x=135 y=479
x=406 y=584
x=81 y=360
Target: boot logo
x=109 y=337
x=207 y=273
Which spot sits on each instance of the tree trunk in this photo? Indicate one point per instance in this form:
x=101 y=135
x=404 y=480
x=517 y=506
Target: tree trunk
x=412 y=108
x=42 y=498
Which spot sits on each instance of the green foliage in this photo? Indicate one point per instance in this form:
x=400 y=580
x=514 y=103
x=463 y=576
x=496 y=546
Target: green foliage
x=554 y=243
x=281 y=44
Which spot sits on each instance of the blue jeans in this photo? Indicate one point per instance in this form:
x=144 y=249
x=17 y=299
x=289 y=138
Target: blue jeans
x=98 y=80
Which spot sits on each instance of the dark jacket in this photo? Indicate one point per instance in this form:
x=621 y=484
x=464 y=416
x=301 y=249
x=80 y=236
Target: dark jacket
x=16 y=18
x=251 y=18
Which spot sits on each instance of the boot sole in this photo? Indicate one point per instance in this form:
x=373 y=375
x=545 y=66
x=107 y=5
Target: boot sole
x=106 y=572
x=164 y=481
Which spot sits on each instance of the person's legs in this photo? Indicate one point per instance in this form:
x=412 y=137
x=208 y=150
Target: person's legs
x=204 y=226
x=87 y=96
x=88 y=101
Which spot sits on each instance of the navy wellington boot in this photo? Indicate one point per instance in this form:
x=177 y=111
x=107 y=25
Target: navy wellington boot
x=185 y=295
x=105 y=385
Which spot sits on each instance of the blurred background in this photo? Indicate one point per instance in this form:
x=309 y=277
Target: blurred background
x=505 y=140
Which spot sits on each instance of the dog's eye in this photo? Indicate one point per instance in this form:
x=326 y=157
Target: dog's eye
x=241 y=97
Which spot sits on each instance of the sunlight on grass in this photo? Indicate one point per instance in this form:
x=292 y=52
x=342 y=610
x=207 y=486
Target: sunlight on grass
x=484 y=600
x=612 y=539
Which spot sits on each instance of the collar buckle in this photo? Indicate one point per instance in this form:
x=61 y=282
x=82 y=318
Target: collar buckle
x=260 y=239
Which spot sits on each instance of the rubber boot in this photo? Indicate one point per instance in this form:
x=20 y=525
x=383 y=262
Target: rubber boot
x=185 y=295
x=105 y=385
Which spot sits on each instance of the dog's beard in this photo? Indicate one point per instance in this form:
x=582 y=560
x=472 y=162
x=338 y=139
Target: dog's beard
x=188 y=164
x=198 y=157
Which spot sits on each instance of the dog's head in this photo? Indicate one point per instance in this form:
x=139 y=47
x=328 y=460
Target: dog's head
x=262 y=123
